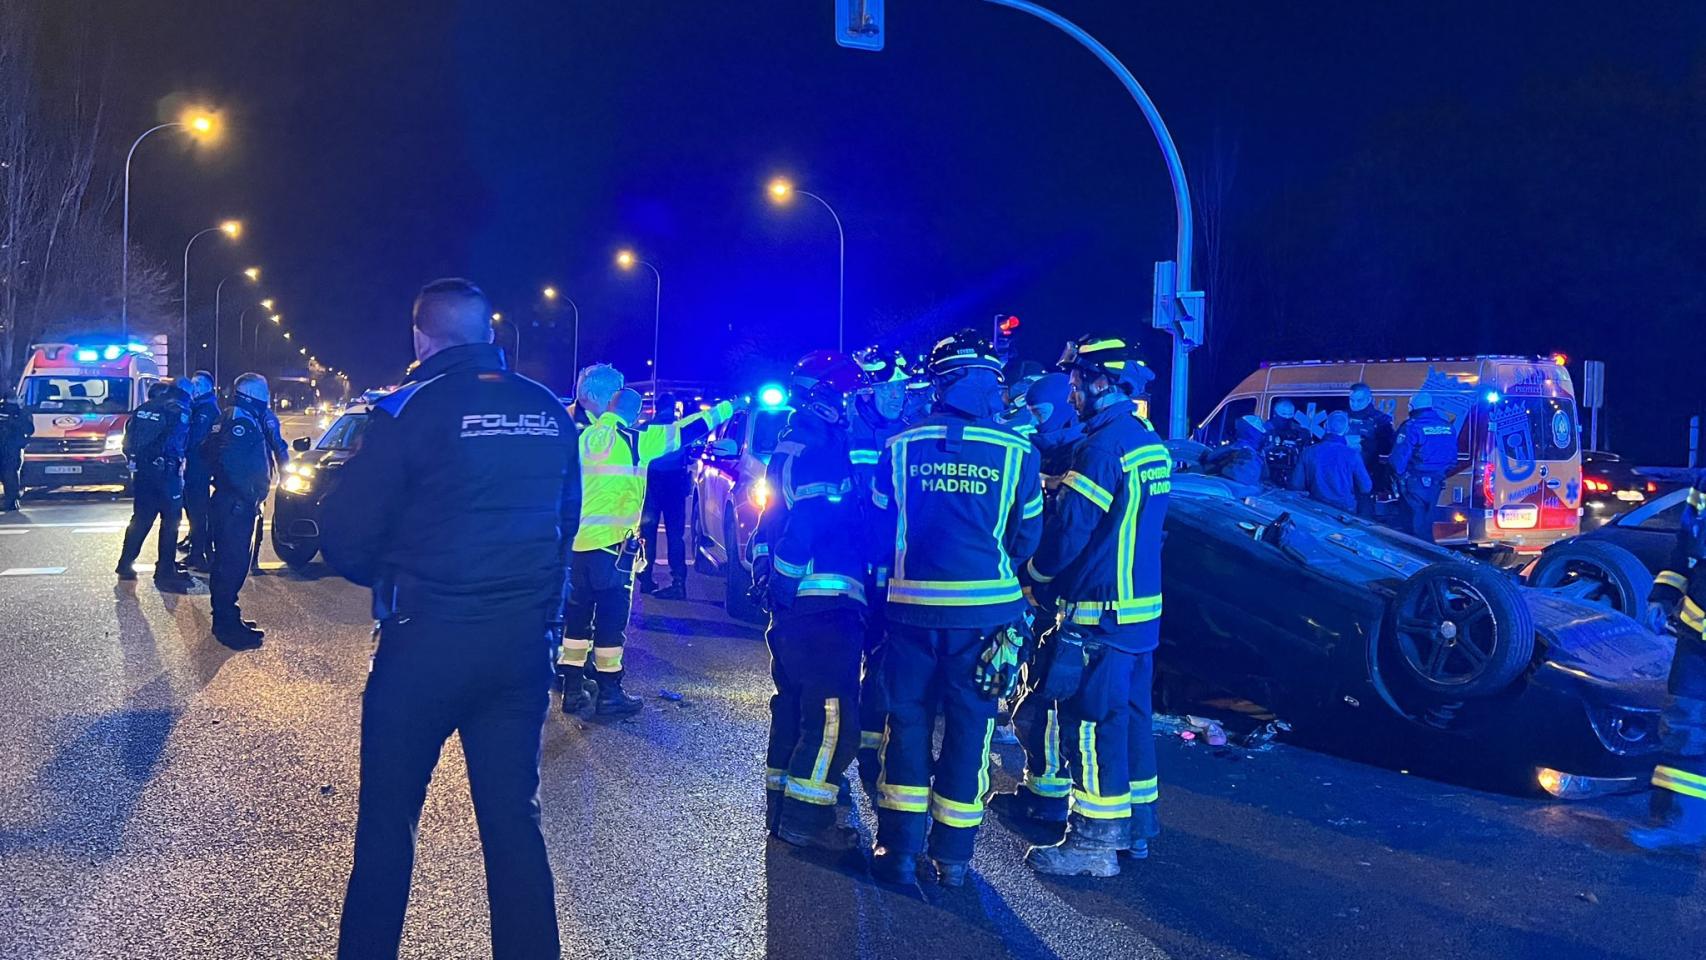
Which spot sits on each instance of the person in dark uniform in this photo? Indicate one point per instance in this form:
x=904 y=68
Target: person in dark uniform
x=154 y=440
x=16 y=428
x=1423 y=453
x=1371 y=436
x=241 y=456
x=667 y=484
x=1285 y=440
x=198 y=473
x=457 y=512
x=1330 y=471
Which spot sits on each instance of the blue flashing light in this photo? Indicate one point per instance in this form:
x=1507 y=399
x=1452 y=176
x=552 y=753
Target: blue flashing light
x=1493 y=396
x=772 y=395
x=86 y=355
x=111 y=353
x=138 y=348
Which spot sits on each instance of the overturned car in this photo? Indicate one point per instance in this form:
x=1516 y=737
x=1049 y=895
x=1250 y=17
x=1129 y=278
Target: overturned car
x=1323 y=616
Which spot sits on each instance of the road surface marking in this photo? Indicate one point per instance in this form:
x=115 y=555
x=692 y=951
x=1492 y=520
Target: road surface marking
x=31 y=571
x=270 y=565
x=118 y=529
x=116 y=524
x=6 y=530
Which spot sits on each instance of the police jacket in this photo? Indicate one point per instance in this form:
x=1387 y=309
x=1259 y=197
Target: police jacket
x=463 y=497
x=613 y=461
x=158 y=431
x=1332 y=473
x=964 y=504
x=1371 y=434
x=204 y=415
x=16 y=428
x=239 y=452
x=1101 y=549
x=1681 y=588
x=1426 y=443
x=811 y=530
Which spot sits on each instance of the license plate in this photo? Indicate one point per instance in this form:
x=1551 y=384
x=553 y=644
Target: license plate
x=62 y=468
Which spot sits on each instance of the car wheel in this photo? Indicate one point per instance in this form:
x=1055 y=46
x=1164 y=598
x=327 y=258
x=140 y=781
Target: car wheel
x=1597 y=572
x=737 y=601
x=702 y=562
x=1461 y=630
x=295 y=555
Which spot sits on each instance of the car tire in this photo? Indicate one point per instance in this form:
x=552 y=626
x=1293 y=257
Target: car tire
x=1596 y=572
x=296 y=556
x=737 y=600
x=1460 y=630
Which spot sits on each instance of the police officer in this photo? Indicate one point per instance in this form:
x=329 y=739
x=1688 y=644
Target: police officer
x=1371 y=435
x=1286 y=438
x=154 y=440
x=614 y=455
x=457 y=512
x=16 y=429
x=1330 y=471
x=1423 y=453
x=240 y=453
x=1100 y=560
x=1678 y=605
x=667 y=486
x=965 y=505
x=198 y=472
x=810 y=563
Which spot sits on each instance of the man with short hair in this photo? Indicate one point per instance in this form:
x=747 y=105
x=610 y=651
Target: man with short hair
x=154 y=440
x=457 y=513
x=198 y=472
x=1330 y=471
x=1423 y=453
x=16 y=428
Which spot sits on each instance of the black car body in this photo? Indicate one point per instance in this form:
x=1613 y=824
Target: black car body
x=296 y=507
x=1612 y=487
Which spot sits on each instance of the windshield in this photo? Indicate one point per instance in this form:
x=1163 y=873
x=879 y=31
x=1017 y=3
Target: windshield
x=1535 y=428
x=766 y=428
x=345 y=434
x=77 y=394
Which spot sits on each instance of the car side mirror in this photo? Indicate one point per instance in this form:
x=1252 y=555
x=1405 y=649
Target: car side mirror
x=724 y=448
x=301 y=445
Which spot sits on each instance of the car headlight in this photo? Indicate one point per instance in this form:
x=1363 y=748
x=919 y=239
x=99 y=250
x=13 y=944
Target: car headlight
x=296 y=483
x=759 y=494
x=115 y=442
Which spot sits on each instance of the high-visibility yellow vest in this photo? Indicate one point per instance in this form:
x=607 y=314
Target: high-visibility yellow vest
x=614 y=458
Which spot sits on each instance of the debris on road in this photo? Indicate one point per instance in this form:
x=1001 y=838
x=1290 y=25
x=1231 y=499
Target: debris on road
x=671 y=695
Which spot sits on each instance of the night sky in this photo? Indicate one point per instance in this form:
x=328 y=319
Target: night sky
x=1385 y=180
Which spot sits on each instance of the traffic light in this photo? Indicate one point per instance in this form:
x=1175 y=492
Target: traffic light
x=859 y=24
x=1005 y=326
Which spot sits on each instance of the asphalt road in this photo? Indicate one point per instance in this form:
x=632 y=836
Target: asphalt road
x=161 y=796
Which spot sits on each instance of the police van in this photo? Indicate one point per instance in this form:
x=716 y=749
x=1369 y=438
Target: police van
x=1518 y=483
x=80 y=396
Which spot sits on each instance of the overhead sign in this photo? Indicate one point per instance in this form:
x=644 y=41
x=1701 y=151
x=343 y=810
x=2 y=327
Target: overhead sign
x=859 y=24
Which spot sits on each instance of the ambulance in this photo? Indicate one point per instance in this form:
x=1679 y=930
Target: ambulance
x=80 y=396
x=1518 y=482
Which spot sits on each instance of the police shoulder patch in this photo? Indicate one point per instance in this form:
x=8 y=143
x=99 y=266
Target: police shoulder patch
x=238 y=430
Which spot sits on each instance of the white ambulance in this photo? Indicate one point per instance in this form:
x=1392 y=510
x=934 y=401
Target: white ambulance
x=81 y=395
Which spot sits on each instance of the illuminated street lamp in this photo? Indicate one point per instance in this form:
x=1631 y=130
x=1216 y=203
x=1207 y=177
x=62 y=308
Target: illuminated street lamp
x=253 y=274
x=498 y=318
x=203 y=126
x=627 y=261
x=232 y=229
x=782 y=191
x=550 y=293
x=267 y=305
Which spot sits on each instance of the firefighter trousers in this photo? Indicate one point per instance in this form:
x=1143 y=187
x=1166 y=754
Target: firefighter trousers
x=929 y=671
x=1682 y=723
x=873 y=700
x=814 y=662
x=1095 y=750
x=595 y=622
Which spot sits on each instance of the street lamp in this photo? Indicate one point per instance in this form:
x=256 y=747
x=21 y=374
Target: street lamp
x=552 y=294
x=203 y=126
x=498 y=318
x=253 y=274
x=232 y=229
x=781 y=191
x=627 y=261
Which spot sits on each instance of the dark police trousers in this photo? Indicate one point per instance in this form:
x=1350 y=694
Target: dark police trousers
x=666 y=501
x=930 y=671
x=232 y=523
x=595 y=619
x=158 y=493
x=198 y=498
x=489 y=682
x=11 y=476
x=1421 y=495
x=814 y=713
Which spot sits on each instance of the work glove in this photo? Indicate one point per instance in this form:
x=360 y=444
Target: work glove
x=997 y=675
x=1657 y=618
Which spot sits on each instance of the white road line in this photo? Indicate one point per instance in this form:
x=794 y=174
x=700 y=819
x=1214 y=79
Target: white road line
x=4 y=531
x=120 y=524
x=99 y=530
x=32 y=571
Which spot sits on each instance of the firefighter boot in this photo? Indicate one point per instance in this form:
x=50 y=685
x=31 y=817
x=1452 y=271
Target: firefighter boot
x=1144 y=828
x=772 y=810
x=1683 y=828
x=577 y=689
x=1089 y=849
x=896 y=868
x=951 y=873
x=804 y=825
x=613 y=701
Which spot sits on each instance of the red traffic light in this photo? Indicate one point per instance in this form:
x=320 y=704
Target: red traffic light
x=1009 y=325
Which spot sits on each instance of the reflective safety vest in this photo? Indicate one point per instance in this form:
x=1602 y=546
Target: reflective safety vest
x=966 y=503
x=613 y=460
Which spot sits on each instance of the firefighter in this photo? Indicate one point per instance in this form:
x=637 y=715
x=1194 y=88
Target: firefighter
x=965 y=505
x=1100 y=560
x=1424 y=451
x=810 y=568
x=614 y=455
x=667 y=484
x=198 y=473
x=154 y=440
x=16 y=428
x=1058 y=426
x=877 y=407
x=1678 y=605
x=242 y=454
x=1371 y=435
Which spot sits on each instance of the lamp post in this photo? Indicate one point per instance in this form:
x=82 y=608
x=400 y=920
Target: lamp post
x=781 y=190
x=254 y=276
x=202 y=125
x=498 y=318
x=552 y=295
x=232 y=229
x=627 y=261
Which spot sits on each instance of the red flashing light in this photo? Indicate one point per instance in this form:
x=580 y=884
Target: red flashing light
x=1009 y=325
x=1560 y=359
x=1596 y=485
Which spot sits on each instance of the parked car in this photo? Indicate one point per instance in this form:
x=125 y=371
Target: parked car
x=1313 y=612
x=296 y=508
x=1611 y=487
x=1614 y=564
x=730 y=494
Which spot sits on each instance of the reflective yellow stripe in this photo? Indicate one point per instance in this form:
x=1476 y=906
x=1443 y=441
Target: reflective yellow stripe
x=948 y=593
x=606 y=659
x=831 y=733
x=870 y=739
x=1679 y=781
x=573 y=652
x=1004 y=510
x=1095 y=807
x=1138 y=610
x=818 y=792
x=786 y=569
x=1049 y=788
x=864 y=458
x=1073 y=480
x=1145 y=791
x=1672 y=579
x=1697 y=499
x=953 y=813
x=1144 y=455
x=892 y=796
x=1035 y=574
x=1034 y=508
x=1692 y=616
x=983 y=764
x=1089 y=769
x=774 y=778
x=999 y=438
x=831 y=585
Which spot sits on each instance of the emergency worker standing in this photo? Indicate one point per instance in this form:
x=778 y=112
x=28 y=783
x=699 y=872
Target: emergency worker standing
x=198 y=472
x=667 y=486
x=614 y=455
x=1423 y=453
x=457 y=512
x=1678 y=605
x=1058 y=427
x=154 y=440
x=1285 y=440
x=241 y=456
x=1100 y=559
x=810 y=562
x=1371 y=435
x=1330 y=471
x=16 y=429
x=967 y=508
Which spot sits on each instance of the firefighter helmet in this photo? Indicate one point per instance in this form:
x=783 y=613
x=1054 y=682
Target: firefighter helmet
x=961 y=352
x=821 y=382
x=882 y=366
x=1110 y=357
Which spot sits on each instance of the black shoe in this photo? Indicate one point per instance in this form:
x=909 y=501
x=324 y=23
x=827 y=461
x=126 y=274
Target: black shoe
x=577 y=692
x=950 y=874
x=174 y=582
x=196 y=561
x=646 y=585
x=896 y=869
x=677 y=590
x=125 y=571
x=613 y=701
x=238 y=635
x=830 y=836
